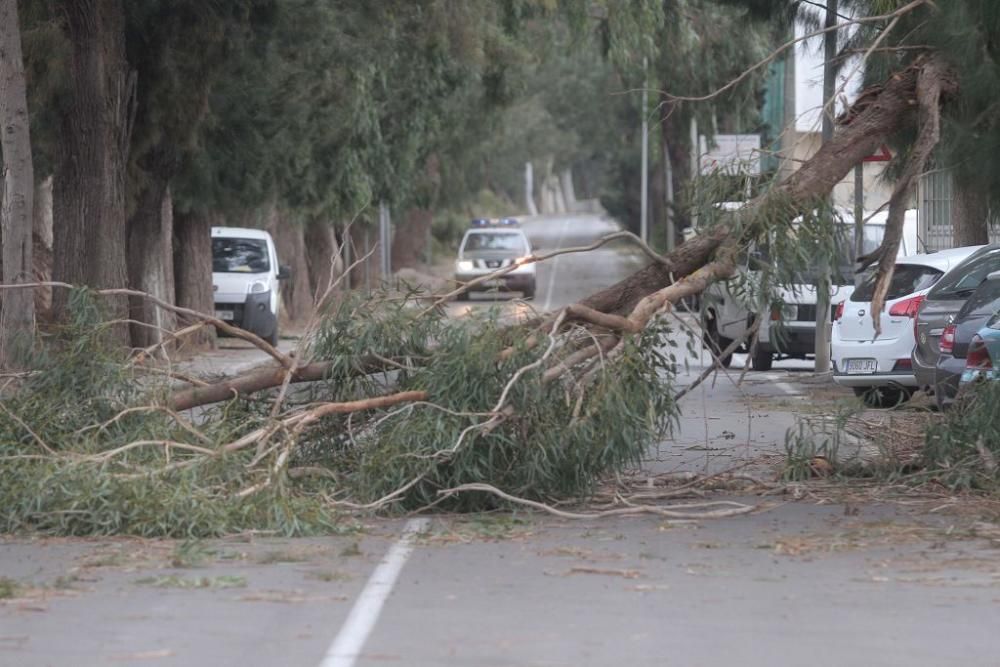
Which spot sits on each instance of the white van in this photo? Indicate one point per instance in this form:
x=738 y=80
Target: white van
x=726 y=316
x=245 y=275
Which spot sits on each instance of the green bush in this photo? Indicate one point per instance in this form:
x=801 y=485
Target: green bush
x=964 y=449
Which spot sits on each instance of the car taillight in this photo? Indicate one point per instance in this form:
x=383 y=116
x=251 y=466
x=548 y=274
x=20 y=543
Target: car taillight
x=837 y=314
x=978 y=357
x=907 y=307
x=948 y=339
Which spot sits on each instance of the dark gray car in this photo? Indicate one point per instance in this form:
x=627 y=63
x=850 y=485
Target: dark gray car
x=977 y=311
x=938 y=311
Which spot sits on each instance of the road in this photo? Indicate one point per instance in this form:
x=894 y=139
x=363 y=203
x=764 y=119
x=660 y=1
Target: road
x=812 y=577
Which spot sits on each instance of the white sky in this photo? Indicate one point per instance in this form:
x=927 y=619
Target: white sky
x=809 y=82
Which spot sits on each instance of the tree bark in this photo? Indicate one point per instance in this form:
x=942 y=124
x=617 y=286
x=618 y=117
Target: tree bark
x=193 y=270
x=323 y=258
x=150 y=261
x=89 y=244
x=969 y=214
x=17 y=312
x=409 y=243
x=289 y=242
x=42 y=236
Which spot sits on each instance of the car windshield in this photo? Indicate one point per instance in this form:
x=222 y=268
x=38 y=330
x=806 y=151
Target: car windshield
x=906 y=279
x=962 y=281
x=493 y=241
x=240 y=256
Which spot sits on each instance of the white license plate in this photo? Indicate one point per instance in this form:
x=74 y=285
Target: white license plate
x=224 y=315
x=860 y=366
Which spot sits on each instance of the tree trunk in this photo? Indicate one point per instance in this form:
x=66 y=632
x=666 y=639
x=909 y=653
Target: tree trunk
x=42 y=236
x=323 y=258
x=296 y=294
x=969 y=214
x=150 y=262
x=17 y=312
x=409 y=243
x=89 y=245
x=193 y=270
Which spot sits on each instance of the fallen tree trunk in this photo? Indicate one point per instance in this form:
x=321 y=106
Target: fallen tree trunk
x=259 y=380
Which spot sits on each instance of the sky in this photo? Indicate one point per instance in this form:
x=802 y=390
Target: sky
x=809 y=82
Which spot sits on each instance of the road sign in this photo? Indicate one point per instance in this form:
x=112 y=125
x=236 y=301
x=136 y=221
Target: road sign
x=730 y=154
x=881 y=155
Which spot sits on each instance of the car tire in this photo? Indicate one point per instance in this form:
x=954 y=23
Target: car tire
x=529 y=291
x=716 y=343
x=761 y=360
x=463 y=296
x=882 y=397
x=273 y=338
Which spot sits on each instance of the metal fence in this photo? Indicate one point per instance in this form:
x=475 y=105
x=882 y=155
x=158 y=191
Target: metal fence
x=934 y=194
x=934 y=203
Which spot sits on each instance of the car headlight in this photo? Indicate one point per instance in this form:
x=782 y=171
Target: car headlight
x=257 y=287
x=464 y=265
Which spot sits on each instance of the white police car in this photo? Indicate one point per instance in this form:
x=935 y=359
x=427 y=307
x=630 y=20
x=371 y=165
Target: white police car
x=491 y=245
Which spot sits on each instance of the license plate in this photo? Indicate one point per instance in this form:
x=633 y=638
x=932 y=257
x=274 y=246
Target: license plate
x=860 y=366
x=224 y=315
x=496 y=282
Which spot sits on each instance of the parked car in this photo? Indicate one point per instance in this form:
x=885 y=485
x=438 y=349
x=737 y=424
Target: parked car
x=938 y=310
x=491 y=245
x=790 y=330
x=957 y=338
x=982 y=361
x=880 y=370
x=245 y=280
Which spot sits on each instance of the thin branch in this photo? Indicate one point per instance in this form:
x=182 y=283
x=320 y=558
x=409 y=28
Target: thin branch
x=686 y=511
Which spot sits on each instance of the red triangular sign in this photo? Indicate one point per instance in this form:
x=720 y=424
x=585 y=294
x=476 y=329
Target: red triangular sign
x=881 y=155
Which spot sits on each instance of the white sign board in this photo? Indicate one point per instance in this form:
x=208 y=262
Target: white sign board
x=730 y=154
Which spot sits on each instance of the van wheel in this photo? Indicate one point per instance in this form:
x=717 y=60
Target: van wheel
x=716 y=343
x=761 y=360
x=273 y=338
x=462 y=296
x=529 y=291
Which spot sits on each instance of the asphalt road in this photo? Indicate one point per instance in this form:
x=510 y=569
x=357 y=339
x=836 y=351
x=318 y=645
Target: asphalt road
x=809 y=579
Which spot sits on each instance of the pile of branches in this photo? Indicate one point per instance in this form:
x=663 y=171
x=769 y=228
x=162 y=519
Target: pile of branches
x=387 y=404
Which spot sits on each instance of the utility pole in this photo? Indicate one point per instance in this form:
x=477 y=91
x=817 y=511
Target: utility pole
x=644 y=204
x=385 y=240
x=859 y=216
x=823 y=288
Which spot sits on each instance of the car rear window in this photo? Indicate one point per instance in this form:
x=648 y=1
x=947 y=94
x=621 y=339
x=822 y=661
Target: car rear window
x=986 y=298
x=962 y=281
x=512 y=242
x=239 y=256
x=906 y=279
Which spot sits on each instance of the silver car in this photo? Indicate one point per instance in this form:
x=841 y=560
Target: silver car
x=937 y=312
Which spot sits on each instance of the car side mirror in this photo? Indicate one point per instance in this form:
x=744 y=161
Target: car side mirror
x=284 y=272
x=993 y=276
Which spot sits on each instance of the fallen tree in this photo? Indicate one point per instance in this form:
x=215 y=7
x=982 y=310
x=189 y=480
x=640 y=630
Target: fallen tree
x=399 y=406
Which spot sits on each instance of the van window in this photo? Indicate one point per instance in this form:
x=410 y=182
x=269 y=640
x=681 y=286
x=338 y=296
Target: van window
x=962 y=281
x=906 y=279
x=240 y=256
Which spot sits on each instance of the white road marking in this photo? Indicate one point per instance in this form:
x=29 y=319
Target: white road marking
x=346 y=647
x=555 y=265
